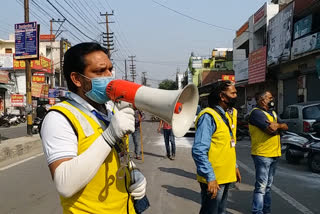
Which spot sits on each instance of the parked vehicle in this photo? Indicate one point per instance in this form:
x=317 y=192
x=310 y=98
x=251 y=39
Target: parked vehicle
x=36 y=125
x=4 y=121
x=301 y=116
x=297 y=147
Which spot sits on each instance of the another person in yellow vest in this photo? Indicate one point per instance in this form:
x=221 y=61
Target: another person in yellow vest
x=82 y=140
x=264 y=128
x=213 y=150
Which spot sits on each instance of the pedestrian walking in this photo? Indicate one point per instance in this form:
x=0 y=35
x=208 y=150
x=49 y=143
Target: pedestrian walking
x=264 y=128
x=213 y=150
x=82 y=138
x=168 y=138
x=139 y=116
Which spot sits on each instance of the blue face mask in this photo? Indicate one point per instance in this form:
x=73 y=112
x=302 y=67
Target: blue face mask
x=98 y=89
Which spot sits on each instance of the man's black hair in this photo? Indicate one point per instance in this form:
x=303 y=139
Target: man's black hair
x=218 y=87
x=260 y=95
x=74 y=60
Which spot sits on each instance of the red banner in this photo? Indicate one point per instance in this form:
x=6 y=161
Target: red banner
x=228 y=77
x=259 y=14
x=42 y=64
x=39 y=77
x=4 y=76
x=17 y=100
x=47 y=37
x=258 y=65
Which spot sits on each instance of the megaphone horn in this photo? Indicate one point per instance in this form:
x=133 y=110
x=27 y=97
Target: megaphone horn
x=176 y=107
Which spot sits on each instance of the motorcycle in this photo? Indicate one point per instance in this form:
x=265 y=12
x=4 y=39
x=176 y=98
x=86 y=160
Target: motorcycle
x=4 y=121
x=36 y=125
x=297 y=147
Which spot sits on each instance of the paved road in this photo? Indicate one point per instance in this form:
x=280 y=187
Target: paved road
x=172 y=188
x=13 y=131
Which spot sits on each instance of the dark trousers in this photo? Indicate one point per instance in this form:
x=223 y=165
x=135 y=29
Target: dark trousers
x=216 y=205
x=168 y=136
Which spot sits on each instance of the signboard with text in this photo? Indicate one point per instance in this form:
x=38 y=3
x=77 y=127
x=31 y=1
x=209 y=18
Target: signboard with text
x=279 y=39
x=17 y=100
x=306 y=44
x=36 y=89
x=302 y=27
x=259 y=14
x=42 y=64
x=228 y=77
x=26 y=40
x=39 y=77
x=258 y=65
x=6 y=61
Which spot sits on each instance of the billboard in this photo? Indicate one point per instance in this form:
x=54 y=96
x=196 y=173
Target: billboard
x=42 y=64
x=241 y=70
x=47 y=37
x=306 y=44
x=17 y=100
x=6 y=61
x=26 y=40
x=302 y=27
x=279 y=39
x=257 y=65
x=39 y=77
x=228 y=77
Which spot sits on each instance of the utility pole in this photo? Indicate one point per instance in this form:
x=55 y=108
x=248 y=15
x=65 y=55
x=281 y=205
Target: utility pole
x=109 y=36
x=132 y=68
x=125 y=70
x=28 y=77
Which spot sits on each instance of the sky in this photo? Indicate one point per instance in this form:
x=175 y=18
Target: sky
x=161 y=34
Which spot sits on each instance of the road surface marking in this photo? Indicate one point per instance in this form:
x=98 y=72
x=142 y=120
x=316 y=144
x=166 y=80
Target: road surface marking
x=278 y=191
x=19 y=162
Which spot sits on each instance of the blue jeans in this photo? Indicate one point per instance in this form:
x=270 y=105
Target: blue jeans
x=137 y=149
x=265 y=170
x=168 y=136
x=216 y=205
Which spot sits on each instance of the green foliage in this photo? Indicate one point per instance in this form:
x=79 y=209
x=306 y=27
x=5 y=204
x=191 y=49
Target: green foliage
x=168 y=85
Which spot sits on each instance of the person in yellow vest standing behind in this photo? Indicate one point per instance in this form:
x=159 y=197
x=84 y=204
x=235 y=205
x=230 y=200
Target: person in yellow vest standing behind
x=83 y=140
x=213 y=150
x=264 y=128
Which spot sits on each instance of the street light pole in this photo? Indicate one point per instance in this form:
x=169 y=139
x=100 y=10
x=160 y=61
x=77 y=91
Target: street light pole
x=28 y=77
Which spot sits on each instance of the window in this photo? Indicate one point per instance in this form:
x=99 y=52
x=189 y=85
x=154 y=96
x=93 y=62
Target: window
x=8 y=50
x=285 y=114
x=294 y=113
x=312 y=112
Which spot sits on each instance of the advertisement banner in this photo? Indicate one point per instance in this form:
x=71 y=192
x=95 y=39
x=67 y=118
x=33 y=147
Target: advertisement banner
x=42 y=64
x=306 y=44
x=36 y=89
x=44 y=91
x=52 y=101
x=17 y=100
x=6 y=61
x=258 y=65
x=47 y=37
x=228 y=77
x=26 y=40
x=302 y=27
x=38 y=77
x=279 y=39
x=241 y=70
x=259 y=14
x=4 y=76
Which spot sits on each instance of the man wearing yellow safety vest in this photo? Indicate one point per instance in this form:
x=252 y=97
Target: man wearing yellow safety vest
x=264 y=128
x=213 y=150
x=82 y=140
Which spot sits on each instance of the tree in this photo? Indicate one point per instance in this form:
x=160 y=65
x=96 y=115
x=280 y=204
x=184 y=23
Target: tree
x=168 y=85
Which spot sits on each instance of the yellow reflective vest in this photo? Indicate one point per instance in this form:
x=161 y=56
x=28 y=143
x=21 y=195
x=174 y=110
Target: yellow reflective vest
x=263 y=144
x=221 y=155
x=105 y=193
